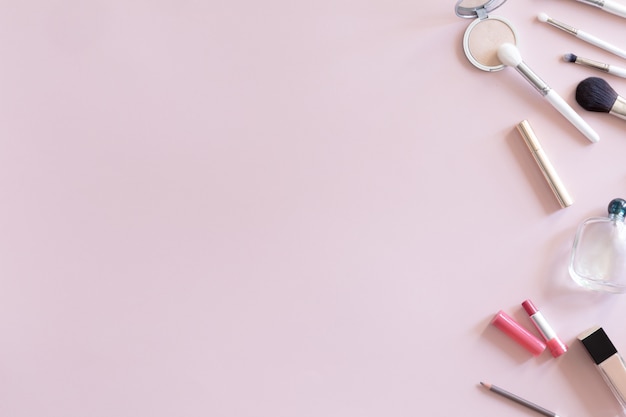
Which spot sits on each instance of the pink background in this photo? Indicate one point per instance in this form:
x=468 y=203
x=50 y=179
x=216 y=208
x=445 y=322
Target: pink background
x=279 y=208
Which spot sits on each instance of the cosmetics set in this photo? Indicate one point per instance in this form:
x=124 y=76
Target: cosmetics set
x=598 y=255
x=490 y=43
x=602 y=352
x=595 y=340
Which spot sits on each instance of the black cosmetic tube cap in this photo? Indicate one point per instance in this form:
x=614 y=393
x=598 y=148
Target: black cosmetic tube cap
x=597 y=344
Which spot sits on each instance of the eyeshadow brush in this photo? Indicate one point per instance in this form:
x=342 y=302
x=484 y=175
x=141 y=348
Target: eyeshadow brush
x=590 y=63
x=582 y=35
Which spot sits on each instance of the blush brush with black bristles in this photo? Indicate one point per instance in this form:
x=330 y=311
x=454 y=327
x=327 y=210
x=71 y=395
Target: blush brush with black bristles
x=595 y=94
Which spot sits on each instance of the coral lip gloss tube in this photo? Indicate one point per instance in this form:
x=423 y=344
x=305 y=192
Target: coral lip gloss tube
x=556 y=346
x=515 y=331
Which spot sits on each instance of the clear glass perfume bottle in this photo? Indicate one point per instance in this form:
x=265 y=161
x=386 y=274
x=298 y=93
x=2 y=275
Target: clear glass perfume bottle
x=598 y=259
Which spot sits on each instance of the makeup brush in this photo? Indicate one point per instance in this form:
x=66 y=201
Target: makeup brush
x=510 y=56
x=595 y=94
x=587 y=37
x=608 y=6
x=611 y=69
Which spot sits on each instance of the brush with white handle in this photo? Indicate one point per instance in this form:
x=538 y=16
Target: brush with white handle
x=601 y=66
x=510 y=56
x=582 y=35
x=608 y=6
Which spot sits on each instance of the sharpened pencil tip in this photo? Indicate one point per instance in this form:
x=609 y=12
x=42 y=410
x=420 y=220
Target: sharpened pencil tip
x=485 y=384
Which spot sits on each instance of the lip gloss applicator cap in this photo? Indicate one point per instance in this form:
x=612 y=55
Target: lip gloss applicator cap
x=515 y=331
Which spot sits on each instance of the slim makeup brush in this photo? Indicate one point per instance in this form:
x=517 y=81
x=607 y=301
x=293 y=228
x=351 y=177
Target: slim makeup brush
x=510 y=56
x=587 y=37
x=608 y=6
x=595 y=94
x=610 y=69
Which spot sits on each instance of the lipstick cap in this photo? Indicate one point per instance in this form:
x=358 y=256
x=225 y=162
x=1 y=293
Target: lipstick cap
x=515 y=331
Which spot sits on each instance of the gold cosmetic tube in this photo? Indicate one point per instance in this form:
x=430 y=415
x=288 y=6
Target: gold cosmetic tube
x=557 y=187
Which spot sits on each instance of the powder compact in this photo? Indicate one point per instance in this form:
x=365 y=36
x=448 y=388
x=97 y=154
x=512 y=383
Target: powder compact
x=485 y=34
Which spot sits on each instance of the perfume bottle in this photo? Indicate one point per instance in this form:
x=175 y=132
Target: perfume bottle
x=598 y=259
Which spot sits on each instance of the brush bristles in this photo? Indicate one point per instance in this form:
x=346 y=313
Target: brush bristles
x=570 y=58
x=595 y=94
x=509 y=55
x=543 y=17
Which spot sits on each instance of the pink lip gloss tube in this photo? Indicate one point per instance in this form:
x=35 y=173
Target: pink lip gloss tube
x=556 y=346
x=515 y=331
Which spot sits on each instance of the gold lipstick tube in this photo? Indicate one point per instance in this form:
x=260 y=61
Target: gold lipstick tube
x=548 y=171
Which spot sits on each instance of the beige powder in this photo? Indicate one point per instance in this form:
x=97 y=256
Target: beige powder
x=485 y=39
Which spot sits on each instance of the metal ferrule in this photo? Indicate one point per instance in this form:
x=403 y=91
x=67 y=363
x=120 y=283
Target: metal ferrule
x=619 y=108
x=593 y=64
x=597 y=3
x=533 y=78
x=562 y=26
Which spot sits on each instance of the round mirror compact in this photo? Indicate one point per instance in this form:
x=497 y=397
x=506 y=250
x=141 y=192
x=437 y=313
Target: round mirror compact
x=485 y=34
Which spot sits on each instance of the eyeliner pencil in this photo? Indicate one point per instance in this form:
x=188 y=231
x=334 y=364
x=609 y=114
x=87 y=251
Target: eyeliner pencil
x=519 y=400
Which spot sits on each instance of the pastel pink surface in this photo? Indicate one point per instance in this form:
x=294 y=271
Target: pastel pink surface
x=286 y=208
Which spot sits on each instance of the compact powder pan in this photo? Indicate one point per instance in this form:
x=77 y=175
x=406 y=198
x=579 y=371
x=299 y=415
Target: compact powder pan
x=485 y=34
